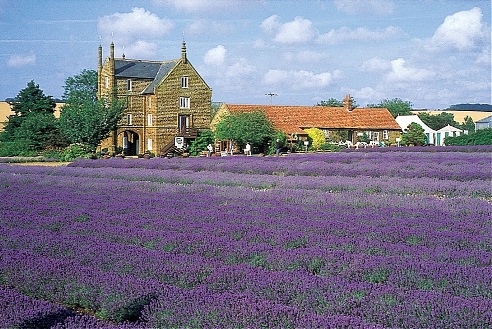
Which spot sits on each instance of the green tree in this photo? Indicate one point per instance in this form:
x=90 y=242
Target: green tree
x=479 y=137
x=84 y=119
x=247 y=127
x=204 y=138
x=468 y=124
x=414 y=135
x=438 y=121
x=317 y=137
x=30 y=101
x=332 y=102
x=39 y=131
x=395 y=106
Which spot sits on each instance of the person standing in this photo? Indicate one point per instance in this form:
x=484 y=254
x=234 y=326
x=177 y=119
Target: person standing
x=248 y=149
x=277 y=147
x=210 y=150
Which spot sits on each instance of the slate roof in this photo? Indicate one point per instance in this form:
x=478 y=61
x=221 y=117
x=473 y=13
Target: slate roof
x=292 y=119
x=139 y=69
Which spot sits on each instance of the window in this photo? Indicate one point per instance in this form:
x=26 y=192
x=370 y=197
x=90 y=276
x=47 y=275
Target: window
x=149 y=144
x=106 y=81
x=375 y=136
x=129 y=119
x=184 y=102
x=149 y=119
x=385 y=135
x=184 y=82
x=129 y=84
x=149 y=103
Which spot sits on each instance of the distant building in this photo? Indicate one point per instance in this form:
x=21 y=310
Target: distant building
x=484 y=123
x=377 y=123
x=433 y=137
x=168 y=102
x=6 y=111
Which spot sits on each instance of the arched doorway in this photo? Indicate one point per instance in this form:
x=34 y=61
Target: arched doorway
x=129 y=142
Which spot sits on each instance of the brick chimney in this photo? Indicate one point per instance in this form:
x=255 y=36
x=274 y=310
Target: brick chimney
x=347 y=103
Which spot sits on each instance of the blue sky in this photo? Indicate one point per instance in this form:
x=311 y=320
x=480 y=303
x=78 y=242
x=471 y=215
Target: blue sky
x=433 y=53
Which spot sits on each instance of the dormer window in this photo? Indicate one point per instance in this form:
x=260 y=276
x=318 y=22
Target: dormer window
x=129 y=84
x=184 y=82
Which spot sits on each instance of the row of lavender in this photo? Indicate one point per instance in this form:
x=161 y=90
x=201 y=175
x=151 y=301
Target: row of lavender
x=198 y=247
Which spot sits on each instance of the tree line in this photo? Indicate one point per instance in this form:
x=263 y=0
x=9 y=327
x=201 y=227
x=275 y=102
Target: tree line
x=85 y=121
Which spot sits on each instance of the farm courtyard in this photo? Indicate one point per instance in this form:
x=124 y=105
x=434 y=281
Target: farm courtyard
x=374 y=238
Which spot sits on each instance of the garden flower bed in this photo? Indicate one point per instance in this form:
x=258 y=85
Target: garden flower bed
x=391 y=239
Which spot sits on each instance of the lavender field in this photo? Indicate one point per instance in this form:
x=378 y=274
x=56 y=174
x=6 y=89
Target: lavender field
x=362 y=239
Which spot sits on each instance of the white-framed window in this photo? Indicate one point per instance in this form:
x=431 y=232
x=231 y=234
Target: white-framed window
x=375 y=136
x=106 y=81
x=129 y=84
x=149 y=144
x=129 y=119
x=184 y=82
x=149 y=119
x=385 y=135
x=184 y=102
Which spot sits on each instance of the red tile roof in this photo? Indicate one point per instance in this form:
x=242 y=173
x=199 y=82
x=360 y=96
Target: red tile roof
x=292 y=119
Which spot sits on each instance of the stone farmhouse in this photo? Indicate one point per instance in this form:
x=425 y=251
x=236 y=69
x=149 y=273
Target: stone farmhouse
x=345 y=122
x=168 y=102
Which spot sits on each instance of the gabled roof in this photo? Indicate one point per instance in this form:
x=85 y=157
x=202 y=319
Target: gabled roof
x=449 y=128
x=405 y=120
x=129 y=68
x=140 y=69
x=292 y=119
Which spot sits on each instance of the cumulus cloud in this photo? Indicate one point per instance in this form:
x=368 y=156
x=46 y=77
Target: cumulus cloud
x=462 y=30
x=375 y=64
x=21 y=60
x=129 y=28
x=402 y=73
x=240 y=68
x=271 y=24
x=141 y=48
x=367 y=7
x=345 y=34
x=298 y=79
x=215 y=56
x=297 y=31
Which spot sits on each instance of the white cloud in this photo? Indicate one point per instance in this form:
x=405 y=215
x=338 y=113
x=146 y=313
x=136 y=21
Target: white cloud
x=462 y=31
x=401 y=73
x=271 y=24
x=366 y=7
x=239 y=69
x=20 y=60
x=298 y=79
x=215 y=56
x=344 y=34
x=129 y=30
x=375 y=64
x=297 y=31
x=141 y=49
x=197 y=5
